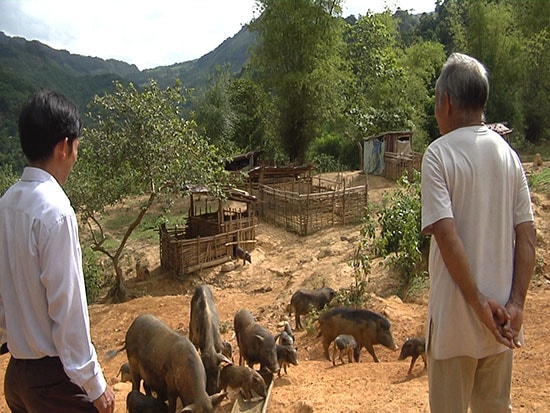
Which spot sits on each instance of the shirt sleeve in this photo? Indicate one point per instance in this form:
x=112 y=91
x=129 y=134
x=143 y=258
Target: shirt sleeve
x=63 y=280
x=3 y=336
x=523 y=210
x=436 y=199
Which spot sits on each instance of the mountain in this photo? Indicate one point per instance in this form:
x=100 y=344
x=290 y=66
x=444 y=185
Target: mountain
x=28 y=65
x=234 y=51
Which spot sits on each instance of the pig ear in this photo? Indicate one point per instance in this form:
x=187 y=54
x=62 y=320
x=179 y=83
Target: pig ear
x=384 y=325
x=217 y=398
x=222 y=359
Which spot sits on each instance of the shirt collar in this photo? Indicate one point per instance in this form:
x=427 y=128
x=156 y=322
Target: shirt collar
x=31 y=173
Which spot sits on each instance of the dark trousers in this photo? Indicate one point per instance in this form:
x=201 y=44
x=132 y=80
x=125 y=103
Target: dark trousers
x=40 y=386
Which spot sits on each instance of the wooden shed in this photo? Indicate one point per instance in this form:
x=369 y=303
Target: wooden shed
x=390 y=154
x=267 y=175
x=502 y=129
x=213 y=230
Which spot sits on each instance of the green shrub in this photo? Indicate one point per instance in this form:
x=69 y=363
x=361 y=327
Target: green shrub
x=540 y=181
x=325 y=163
x=400 y=240
x=332 y=153
x=93 y=274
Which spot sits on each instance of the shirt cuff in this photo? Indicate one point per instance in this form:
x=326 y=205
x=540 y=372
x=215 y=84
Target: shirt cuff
x=95 y=387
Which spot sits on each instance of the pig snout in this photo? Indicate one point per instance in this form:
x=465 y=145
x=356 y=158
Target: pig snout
x=384 y=336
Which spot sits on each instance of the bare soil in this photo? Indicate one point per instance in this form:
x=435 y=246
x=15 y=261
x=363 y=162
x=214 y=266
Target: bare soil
x=282 y=263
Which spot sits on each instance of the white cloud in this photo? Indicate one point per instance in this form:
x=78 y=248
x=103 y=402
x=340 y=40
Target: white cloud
x=145 y=32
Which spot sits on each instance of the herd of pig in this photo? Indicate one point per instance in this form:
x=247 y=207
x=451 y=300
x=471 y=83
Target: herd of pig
x=198 y=369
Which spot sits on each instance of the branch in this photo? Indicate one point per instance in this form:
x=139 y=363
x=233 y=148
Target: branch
x=136 y=222
x=97 y=245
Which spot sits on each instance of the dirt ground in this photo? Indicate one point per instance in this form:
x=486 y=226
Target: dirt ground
x=282 y=263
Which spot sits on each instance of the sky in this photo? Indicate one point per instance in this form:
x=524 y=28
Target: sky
x=148 y=33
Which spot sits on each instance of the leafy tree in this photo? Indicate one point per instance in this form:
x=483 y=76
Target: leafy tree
x=331 y=152
x=423 y=60
x=406 y=26
x=450 y=25
x=215 y=114
x=298 y=61
x=535 y=91
x=7 y=178
x=502 y=53
x=511 y=38
x=378 y=99
x=253 y=121
x=138 y=144
x=533 y=19
x=236 y=113
x=13 y=92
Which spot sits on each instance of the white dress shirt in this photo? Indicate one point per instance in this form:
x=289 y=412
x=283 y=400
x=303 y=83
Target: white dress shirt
x=43 y=307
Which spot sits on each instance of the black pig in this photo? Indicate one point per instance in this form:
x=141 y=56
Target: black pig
x=414 y=347
x=204 y=333
x=124 y=372
x=242 y=377
x=256 y=344
x=286 y=355
x=367 y=327
x=345 y=344
x=169 y=364
x=303 y=301
x=137 y=402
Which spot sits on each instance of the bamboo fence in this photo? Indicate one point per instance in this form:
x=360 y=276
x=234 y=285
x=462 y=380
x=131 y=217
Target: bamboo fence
x=304 y=207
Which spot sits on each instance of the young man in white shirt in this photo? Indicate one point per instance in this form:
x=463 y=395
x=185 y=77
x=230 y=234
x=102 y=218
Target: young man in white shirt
x=43 y=308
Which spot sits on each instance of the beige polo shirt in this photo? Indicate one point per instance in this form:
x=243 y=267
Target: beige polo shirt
x=473 y=176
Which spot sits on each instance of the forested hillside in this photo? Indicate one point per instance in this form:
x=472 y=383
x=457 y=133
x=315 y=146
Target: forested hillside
x=27 y=65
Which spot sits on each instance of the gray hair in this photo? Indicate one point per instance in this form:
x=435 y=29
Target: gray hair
x=466 y=81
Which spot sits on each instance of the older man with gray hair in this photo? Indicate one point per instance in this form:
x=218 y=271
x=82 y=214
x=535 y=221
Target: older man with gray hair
x=477 y=208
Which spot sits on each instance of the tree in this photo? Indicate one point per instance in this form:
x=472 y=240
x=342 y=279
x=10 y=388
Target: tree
x=138 y=145
x=533 y=20
x=13 y=92
x=254 y=112
x=298 y=59
x=423 y=60
x=502 y=54
x=215 y=114
x=7 y=178
x=376 y=99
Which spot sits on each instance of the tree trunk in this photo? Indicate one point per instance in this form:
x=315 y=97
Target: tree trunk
x=117 y=293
